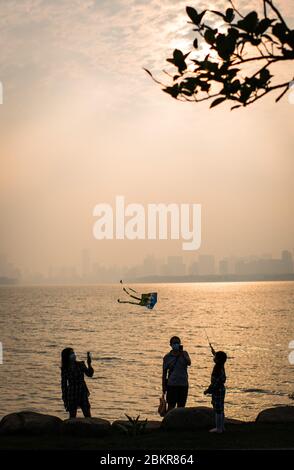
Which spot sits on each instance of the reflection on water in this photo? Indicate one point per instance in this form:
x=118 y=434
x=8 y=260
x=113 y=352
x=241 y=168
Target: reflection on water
x=252 y=322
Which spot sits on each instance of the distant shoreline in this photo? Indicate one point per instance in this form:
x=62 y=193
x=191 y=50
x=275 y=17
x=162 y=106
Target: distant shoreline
x=8 y=281
x=214 y=278
x=164 y=280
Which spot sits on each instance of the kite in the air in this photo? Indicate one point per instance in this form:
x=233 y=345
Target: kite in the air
x=145 y=300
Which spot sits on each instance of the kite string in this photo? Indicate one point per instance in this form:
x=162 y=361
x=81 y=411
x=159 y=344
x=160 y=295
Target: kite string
x=133 y=290
x=210 y=345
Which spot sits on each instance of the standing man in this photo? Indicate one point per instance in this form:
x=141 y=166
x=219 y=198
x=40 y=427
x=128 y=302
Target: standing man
x=175 y=375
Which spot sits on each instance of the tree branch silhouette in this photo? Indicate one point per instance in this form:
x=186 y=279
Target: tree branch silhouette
x=233 y=47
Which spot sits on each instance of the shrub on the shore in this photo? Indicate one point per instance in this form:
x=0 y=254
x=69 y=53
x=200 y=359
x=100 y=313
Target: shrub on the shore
x=133 y=427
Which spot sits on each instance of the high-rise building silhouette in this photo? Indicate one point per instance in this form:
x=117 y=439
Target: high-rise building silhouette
x=206 y=265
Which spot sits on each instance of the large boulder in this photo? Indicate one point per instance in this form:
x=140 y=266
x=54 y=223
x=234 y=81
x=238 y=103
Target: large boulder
x=280 y=414
x=126 y=426
x=86 y=427
x=29 y=422
x=235 y=421
x=189 y=418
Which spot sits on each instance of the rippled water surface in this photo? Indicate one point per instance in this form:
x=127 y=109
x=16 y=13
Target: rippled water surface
x=252 y=322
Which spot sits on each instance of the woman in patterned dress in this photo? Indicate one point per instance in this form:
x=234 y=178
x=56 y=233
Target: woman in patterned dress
x=75 y=393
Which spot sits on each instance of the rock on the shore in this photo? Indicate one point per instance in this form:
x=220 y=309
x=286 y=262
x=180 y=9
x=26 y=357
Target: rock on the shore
x=234 y=421
x=86 y=427
x=150 y=426
x=189 y=418
x=29 y=422
x=280 y=414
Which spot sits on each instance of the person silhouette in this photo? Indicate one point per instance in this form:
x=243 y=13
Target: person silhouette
x=174 y=375
x=75 y=393
x=217 y=390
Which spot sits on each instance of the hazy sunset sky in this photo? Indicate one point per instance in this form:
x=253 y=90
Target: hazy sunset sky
x=82 y=122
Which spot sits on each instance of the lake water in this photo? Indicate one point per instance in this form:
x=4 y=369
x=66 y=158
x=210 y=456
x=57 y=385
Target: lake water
x=252 y=322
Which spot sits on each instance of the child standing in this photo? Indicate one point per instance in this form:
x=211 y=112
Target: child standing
x=217 y=390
